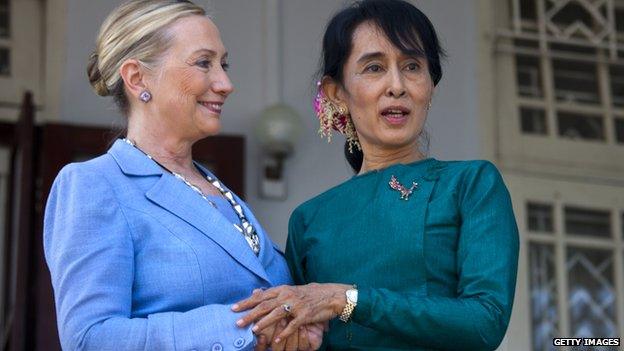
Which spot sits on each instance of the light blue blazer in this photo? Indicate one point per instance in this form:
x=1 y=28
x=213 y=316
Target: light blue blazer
x=139 y=261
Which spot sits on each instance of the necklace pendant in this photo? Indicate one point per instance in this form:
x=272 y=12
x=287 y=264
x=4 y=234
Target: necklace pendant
x=405 y=192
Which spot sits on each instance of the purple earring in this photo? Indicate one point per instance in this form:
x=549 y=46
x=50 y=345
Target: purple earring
x=145 y=96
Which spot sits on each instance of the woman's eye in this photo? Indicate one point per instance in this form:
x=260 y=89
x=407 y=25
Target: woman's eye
x=373 y=68
x=225 y=66
x=203 y=63
x=412 y=66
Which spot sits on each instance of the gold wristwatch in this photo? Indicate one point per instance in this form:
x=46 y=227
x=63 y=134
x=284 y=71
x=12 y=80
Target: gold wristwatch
x=352 y=297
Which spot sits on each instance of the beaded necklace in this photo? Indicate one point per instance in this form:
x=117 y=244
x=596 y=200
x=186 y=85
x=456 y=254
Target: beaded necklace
x=245 y=227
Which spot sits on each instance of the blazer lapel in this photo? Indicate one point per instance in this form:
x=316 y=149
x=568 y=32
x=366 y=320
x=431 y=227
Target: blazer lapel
x=176 y=197
x=266 y=244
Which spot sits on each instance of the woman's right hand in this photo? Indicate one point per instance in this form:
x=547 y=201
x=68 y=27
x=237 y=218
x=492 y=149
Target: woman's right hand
x=311 y=303
x=308 y=338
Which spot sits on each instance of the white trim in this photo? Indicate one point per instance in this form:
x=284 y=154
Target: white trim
x=618 y=229
x=272 y=30
x=55 y=38
x=488 y=120
x=561 y=272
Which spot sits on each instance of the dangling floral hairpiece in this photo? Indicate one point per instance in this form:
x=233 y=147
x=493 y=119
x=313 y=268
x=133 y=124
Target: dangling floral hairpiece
x=336 y=118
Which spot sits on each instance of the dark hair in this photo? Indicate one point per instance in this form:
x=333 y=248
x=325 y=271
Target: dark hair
x=404 y=25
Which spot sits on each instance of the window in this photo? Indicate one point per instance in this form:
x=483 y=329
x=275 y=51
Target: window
x=529 y=76
x=575 y=81
x=580 y=126
x=533 y=121
x=543 y=285
x=4 y=19
x=22 y=55
x=588 y=222
x=540 y=217
x=591 y=292
x=5 y=61
x=590 y=251
x=559 y=62
x=559 y=84
x=619 y=130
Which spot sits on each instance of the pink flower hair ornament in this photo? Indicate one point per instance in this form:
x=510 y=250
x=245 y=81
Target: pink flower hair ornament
x=334 y=118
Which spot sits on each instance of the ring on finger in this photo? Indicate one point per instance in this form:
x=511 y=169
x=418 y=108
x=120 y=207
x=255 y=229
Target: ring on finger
x=287 y=308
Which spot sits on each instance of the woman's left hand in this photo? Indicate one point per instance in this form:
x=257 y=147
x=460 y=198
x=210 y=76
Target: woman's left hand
x=311 y=303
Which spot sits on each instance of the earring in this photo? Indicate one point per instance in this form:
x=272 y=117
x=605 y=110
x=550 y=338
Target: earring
x=145 y=96
x=351 y=135
x=336 y=118
x=429 y=106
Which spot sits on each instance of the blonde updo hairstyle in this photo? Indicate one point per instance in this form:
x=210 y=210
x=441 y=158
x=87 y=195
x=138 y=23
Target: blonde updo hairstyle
x=137 y=30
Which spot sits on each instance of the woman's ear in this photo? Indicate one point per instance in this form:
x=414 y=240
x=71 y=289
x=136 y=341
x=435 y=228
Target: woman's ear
x=333 y=91
x=131 y=72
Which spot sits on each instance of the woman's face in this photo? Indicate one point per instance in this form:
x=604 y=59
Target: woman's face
x=190 y=85
x=386 y=92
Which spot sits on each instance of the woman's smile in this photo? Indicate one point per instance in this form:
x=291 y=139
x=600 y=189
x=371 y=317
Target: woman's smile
x=213 y=108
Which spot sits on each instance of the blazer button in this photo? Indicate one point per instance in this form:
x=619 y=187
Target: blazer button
x=239 y=343
x=217 y=347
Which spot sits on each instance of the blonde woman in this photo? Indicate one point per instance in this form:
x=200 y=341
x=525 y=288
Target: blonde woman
x=146 y=248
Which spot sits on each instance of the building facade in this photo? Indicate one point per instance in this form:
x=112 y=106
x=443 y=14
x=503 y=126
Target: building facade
x=536 y=86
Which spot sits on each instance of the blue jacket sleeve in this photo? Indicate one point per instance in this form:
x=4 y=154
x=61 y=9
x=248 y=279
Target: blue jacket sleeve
x=89 y=250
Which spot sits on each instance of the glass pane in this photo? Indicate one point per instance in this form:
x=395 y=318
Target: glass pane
x=592 y=297
x=4 y=19
x=543 y=288
x=5 y=62
x=619 y=19
x=4 y=24
x=578 y=126
x=526 y=44
x=568 y=48
x=540 y=217
x=528 y=10
x=576 y=81
x=616 y=74
x=572 y=13
x=529 y=76
x=582 y=221
x=533 y=121
x=619 y=130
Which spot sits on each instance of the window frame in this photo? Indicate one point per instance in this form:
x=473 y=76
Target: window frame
x=559 y=194
x=25 y=45
x=550 y=153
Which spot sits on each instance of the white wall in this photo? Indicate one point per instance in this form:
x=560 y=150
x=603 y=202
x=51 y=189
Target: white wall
x=79 y=104
x=316 y=165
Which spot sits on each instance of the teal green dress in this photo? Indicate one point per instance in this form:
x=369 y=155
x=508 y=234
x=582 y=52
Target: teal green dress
x=434 y=272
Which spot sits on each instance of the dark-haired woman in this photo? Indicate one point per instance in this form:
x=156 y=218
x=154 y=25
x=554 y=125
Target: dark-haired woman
x=412 y=252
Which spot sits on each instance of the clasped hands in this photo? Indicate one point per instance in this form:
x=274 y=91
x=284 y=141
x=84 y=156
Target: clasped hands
x=300 y=328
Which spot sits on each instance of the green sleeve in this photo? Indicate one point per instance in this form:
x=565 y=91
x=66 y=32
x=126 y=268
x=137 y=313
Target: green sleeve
x=487 y=259
x=294 y=253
